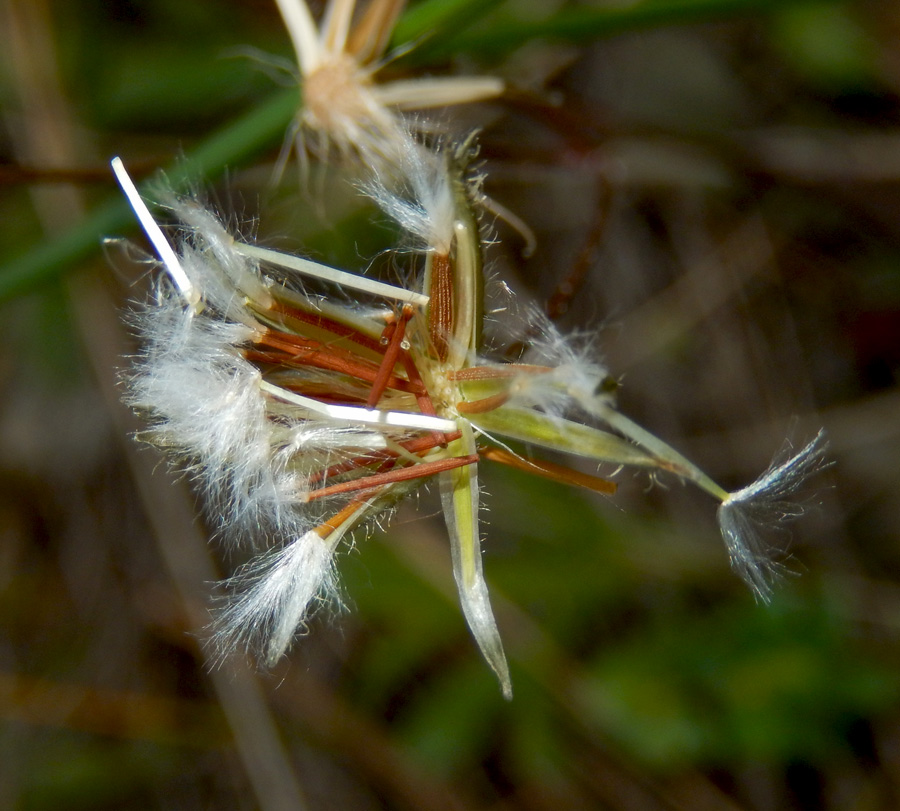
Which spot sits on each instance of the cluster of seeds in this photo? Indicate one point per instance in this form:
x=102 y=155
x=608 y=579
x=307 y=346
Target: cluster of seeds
x=305 y=400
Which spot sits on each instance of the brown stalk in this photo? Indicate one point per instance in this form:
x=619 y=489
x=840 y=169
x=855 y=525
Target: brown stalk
x=549 y=470
x=402 y=474
x=394 y=333
x=327 y=527
x=329 y=325
x=307 y=352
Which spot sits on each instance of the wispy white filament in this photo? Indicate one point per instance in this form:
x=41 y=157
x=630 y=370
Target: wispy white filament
x=204 y=403
x=211 y=238
x=418 y=196
x=276 y=595
x=575 y=380
x=745 y=515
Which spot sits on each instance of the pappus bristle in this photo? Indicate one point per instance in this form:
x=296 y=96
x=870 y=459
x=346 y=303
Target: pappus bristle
x=417 y=194
x=271 y=598
x=204 y=402
x=225 y=275
x=748 y=515
x=576 y=378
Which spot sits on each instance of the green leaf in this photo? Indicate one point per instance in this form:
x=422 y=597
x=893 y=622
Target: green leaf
x=433 y=17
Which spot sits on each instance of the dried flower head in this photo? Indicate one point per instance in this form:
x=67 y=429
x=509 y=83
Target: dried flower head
x=301 y=414
x=342 y=103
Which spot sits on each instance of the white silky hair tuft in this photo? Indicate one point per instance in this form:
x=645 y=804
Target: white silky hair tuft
x=418 y=195
x=576 y=379
x=205 y=234
x=747 y=514
x=204 y=401
x=273 y=596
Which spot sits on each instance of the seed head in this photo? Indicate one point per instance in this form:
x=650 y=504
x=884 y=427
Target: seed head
x=343 y=104
x=305 y=400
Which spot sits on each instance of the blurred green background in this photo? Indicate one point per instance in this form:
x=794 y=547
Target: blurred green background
x=720 y=182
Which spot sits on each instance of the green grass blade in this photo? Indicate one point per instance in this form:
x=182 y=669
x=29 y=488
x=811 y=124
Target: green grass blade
x=424 y=20
x=234 y=143
x=583 y=23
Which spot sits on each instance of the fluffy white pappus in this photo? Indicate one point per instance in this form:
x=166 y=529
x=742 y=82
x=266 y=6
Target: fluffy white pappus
x=211 y=241
x=256 y=504
x=418 y=195
x=217 y=291
x=577 y=380
x=747 y=515
x=166 y=327
x=204 y=401
x=275 y=594
x=328 y=437
x=297 y=452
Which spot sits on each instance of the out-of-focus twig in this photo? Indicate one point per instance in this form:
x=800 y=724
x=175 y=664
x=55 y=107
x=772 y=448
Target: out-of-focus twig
x=697 y=294
x=116 y=713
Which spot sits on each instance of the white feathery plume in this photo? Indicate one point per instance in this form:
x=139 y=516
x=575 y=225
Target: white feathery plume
x=575 y=379
x=276 y=593
x=204 y=401
x=217 y=246
x=747 y=514
x=416 y=193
